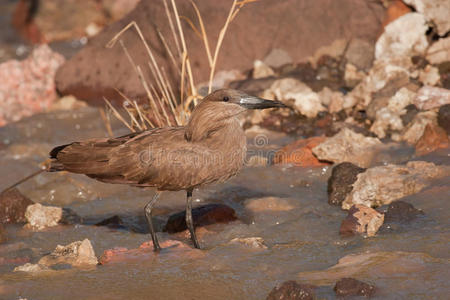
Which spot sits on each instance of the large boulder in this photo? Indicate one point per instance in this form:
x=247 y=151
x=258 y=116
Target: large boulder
x=259 y=29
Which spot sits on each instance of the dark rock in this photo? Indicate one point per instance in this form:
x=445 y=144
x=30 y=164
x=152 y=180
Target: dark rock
x=70 y=217
x=114 y=222
x=401 y=212
x=361 y=220
x=411 y=112
x=237 y=194
x=203 y=215
x=341 y=181
x=95 y=71
x=2 y=233
x=13 y=206
x=351 y=287
x=444 y=117
x=293 y=291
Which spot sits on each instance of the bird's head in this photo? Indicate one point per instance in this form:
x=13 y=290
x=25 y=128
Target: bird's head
x=222 y=106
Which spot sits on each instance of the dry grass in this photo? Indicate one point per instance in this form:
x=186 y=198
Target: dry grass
x=164 y=107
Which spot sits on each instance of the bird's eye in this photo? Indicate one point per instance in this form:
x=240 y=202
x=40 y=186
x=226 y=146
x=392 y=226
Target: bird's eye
x=226 y=99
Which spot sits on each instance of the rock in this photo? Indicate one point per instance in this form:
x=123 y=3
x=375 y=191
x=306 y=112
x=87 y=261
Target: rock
x=348 y=146
x=293 y=291
x=438 y=52
x=79 y=253
x=360 y=53
x=383 y=184
x=361 y=219
x=28 y=86
x=395 y=10
x=40 y=217
x=114 y=222
x=270 y=204
x=176 y=250
x=2 y=233
x=401 y=212
x=201 y=216
x=90 y=75
x=305 y=101
x=13 y=206
x=261 y=70
x=250 y=242
x=406 y=36
x=299 y=153
x=352 y=76
x=433 y=138
x=435 y=11
x=443 y=117
x=277 y=58
x=340 y=183
x=67 y=103
x=370 y=265
x=415 y=129
x=430 y=76
x=257 y=161
x=411 y=113
x=70 y=217
x=430 y=97
x=347 y=287
x=386 y=120
x=31 y=268
x=334 y=100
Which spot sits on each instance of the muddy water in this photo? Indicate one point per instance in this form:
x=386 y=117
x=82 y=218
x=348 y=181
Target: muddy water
x=302 y=239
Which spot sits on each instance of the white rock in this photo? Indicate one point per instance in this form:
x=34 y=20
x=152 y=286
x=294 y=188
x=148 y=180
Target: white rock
x=403 y=37
x=40 y=217
x=383 y=184
x=32 y=268
x=402 y=98
x=79 y=253
x=412 y=133
x=436 y=11
x=305 y=100
x=429 y=97
x=439 y=52
x=261 y=70
x=430 y=75
x=348 y=146
x=385 y=119
x=250 y=242
x=352 y=75
x=334 y=100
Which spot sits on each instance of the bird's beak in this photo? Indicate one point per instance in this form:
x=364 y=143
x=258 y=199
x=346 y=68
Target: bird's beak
x=251 y=102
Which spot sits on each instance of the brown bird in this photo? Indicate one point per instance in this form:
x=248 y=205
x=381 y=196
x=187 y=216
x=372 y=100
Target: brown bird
x=210 y=148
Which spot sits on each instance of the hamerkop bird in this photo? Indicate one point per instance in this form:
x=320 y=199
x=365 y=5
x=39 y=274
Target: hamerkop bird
x=210 y=148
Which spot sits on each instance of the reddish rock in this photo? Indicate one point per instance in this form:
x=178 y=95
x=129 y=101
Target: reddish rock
x=395 y=10
x=27 y=87
x=96 y=71
x=293 y=291
x=340 y=183
x=347 y=287
x=201 y=216
x=170 y=248
x=13 y=206
x=401 y=212
x=299 y=153
x=361 y=220
x=433 y=138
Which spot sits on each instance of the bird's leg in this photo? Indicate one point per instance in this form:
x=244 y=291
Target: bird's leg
x=189 y=222
x=148 y=215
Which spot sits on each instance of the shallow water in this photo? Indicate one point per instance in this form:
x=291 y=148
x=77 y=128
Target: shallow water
x=305 y=238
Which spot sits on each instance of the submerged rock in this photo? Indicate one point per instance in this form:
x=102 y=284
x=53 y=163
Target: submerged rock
x=268 y=204
x=443 y=117
x=250 y=242
x=430 y=97
x=79 y=253
x=2 y=233
x=361 y=219
x=435 y=11
x=348 y=146
x=401 y=212
x=383 y=184
x=201 y=216
x=433 y=138
x=438 y=52
x=305 y=101
x=340 y=183
x=13 y=205
x=292 y=290
x=40 y=217
x=299 y=153
x=347 y=287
